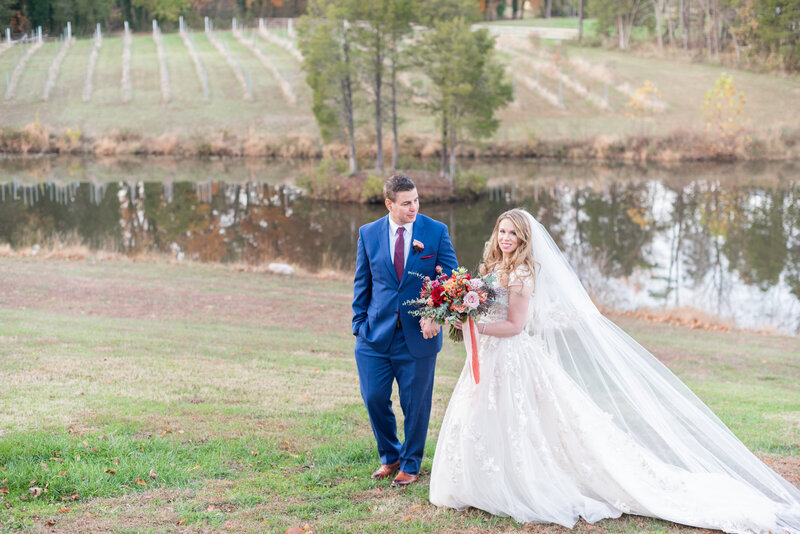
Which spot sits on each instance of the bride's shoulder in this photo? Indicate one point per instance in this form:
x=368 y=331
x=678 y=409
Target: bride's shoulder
x=521 y=273
x=521 y=276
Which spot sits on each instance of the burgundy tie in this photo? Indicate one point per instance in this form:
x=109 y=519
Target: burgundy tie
x=399 y=252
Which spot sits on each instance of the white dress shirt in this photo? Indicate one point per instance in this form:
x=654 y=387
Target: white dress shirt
x=393 y=226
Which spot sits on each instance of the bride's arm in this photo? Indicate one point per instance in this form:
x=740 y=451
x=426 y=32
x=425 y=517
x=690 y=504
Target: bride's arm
x=518 y=299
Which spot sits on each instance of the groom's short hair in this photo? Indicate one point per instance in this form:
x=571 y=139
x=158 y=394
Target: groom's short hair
x=396 y=183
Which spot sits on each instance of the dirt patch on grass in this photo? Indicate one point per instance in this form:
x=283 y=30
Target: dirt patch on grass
x=81 y=288
x=153 y=509
x=786 y=466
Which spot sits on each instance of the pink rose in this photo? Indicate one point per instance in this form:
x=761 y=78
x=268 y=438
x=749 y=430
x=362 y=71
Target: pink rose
x=472 y=300
x=476 y=284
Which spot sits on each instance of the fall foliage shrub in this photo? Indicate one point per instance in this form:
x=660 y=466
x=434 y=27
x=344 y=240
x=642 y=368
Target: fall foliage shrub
x=470 y=184
x=372 y=190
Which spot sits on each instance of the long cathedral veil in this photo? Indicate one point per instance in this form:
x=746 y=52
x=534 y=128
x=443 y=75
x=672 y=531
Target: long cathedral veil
x=644 y=399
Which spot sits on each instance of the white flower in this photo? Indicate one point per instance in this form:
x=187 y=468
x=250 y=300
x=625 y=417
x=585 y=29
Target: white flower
x=476 y=284
x=472 y=300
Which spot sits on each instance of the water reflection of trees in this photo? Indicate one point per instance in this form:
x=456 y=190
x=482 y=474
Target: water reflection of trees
x=681 y=240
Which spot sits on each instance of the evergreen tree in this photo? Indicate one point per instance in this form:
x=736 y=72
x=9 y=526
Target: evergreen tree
x=470 y=83
x=779 y=30
x=325 y=41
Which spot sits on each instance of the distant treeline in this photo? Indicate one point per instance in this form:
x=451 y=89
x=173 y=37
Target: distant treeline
x=22 y=16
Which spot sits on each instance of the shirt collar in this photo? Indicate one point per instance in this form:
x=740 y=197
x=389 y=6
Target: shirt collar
x=393 y=226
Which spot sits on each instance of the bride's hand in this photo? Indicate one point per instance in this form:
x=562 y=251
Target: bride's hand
x=458 y=324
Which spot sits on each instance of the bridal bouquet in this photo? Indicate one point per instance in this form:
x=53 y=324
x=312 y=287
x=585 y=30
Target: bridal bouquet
x=458 y=297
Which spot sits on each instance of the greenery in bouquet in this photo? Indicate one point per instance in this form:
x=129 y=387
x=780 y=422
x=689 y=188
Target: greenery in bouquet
x=457 y=297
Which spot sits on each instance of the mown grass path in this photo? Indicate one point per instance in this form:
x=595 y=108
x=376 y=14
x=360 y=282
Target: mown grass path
x=157 y=397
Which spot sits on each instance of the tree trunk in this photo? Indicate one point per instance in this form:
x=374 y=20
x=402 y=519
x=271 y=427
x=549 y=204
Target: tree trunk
x=347 y=93
x=657 y=4
x=684 y=26
x=378 y=111
x=580 y=20
x=395 y=140
x=621 y=32
x=522 y=10
x=548 y=9
x=453 y=143
x=671 y=32
x=716 y=26
x=443 y=168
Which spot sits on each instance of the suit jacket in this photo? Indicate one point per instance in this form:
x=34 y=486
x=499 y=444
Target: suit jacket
x=377 y=295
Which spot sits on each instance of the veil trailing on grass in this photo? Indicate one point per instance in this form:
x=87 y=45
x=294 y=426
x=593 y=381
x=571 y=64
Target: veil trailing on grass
x=641 y=396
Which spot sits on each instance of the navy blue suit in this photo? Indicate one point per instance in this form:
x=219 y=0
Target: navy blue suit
x=385 y=353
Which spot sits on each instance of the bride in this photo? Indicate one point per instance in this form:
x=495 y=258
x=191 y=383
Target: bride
x=572 y=418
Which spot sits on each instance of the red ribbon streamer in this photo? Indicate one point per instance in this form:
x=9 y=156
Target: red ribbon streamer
x=476 y=372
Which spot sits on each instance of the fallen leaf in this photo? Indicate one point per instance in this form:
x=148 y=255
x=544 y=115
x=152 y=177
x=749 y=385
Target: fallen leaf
x=195 y=468
x=50 y=523
x=36 y=492
x=210 y=508
x=85 y=444
x=182 y=521
x=140 y=482
x=44 y=466
x=254 y=452
x=153 y=474
x=7 y=505
x=64 y=510
x=62 y=473
x=87 y=514
x=4 y=489
x=111 y=472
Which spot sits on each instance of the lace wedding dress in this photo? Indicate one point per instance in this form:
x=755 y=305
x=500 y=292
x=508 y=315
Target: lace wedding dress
x=572 y=418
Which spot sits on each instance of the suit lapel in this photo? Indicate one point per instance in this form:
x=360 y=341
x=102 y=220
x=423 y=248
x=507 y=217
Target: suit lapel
x=417 y=234
x=383 y=240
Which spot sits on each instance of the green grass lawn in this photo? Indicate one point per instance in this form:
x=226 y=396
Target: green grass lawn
x=159 y=397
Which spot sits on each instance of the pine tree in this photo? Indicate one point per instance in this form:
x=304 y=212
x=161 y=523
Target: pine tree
x=470 y=83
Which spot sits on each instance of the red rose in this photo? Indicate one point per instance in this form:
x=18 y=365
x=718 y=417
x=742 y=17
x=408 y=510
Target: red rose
x=437 y=295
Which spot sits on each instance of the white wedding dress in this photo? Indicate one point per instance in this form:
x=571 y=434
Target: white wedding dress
x=572 y=418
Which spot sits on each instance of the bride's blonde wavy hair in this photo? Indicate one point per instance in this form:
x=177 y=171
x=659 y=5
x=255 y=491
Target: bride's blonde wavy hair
x=522 y=257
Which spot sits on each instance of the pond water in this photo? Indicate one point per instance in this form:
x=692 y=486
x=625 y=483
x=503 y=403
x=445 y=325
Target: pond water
x=724 y=239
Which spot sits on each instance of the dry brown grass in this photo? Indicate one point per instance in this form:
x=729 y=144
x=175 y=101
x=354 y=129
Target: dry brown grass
x=773 y=144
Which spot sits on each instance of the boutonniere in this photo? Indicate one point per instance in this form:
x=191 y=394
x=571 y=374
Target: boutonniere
x=418 y=246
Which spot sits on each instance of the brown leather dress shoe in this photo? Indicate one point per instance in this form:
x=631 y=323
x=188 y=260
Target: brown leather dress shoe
x=404 y=479
x=386 y=470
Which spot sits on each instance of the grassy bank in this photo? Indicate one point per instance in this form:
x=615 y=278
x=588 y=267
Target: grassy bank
x=160 y=397
x=228 y=124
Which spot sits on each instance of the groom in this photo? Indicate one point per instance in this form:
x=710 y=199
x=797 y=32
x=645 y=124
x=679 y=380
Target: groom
x=390 y=344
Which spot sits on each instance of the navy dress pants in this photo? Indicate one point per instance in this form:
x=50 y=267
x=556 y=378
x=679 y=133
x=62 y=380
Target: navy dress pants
x=377 y=373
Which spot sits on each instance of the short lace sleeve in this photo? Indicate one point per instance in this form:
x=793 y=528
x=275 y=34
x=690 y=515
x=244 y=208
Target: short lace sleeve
x=521 y=280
